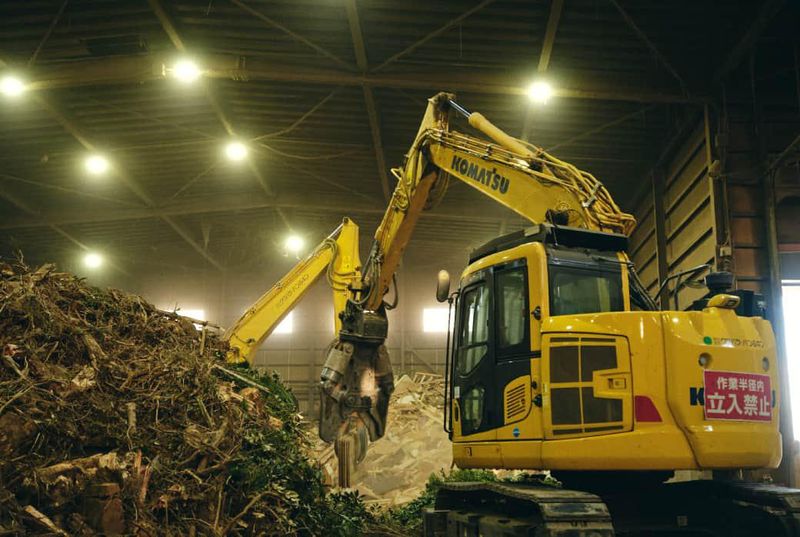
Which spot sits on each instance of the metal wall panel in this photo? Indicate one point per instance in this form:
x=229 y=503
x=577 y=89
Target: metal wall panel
x=680 y=183
x=643 y=244
x=746 y=201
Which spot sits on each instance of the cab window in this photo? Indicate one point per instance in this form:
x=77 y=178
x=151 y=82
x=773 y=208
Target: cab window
x=511 y=291
x=472 y=409
x=474 y=328
x=577 y=290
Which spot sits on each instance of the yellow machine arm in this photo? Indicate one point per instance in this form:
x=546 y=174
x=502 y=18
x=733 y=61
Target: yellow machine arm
x=357 y=379
x=518 y=175
x=336 y=256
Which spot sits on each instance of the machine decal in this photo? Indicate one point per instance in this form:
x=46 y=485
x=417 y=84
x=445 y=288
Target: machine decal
x=696 y=396
x=483 y=175
x=737 y=396
x=733 y=342
x=515 y=432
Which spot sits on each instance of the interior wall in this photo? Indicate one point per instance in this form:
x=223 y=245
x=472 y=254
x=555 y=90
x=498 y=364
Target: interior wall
x=741 y=155
x=676 y=217
x=788 y=223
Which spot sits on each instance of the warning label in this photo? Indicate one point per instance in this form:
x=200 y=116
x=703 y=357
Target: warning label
x=737 y=396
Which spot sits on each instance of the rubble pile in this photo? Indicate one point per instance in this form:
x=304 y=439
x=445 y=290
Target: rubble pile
x=397 y=467
x=118 y=418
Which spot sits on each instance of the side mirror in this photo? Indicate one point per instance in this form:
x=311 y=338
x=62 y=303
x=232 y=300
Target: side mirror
x=443 y=286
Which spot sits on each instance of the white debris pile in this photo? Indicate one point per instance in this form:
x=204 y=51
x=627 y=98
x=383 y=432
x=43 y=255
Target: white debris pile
x=415 y=445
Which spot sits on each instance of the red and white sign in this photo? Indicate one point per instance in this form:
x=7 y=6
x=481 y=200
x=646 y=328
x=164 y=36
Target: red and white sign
x=730 y=395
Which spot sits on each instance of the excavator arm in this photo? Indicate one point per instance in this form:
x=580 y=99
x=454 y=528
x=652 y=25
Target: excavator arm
x=336 y=256
x=522 y=177
x=357 y=379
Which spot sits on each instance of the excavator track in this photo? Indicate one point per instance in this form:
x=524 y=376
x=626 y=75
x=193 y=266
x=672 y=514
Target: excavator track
x=708 y=508
x=511 y=509
x=694 y=508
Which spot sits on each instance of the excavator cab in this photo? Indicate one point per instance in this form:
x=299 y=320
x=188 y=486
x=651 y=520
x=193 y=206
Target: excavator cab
x=559 y=360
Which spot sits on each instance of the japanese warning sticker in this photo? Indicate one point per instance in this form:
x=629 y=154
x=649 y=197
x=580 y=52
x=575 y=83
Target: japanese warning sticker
x=737 y=396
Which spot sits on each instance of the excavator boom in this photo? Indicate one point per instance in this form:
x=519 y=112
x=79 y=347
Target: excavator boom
x=553 y=367
x=522 y=177
x=357 y=378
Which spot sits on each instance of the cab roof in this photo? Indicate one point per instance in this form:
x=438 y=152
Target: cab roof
x=572 y=237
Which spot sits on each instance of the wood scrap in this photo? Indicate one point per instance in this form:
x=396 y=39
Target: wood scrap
x=116 y=417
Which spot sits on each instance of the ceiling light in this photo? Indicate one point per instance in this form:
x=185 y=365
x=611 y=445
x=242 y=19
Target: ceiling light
x=236 y=151
x=97 y=164
x=93 y=260
x=540 y=92
x=11 y=86
x=294 y=244
x=186 y=71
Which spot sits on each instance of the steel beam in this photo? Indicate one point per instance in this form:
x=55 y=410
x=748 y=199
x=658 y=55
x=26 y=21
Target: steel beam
x=466 y=81
x=48 y=33
x=556 y=7
x=369 y=98
x=767 y=12
x=72 y=127
x=294 y=35
x=137 y=69
x=238 y=203
x=449 y=24
x=649 y=44
x=377 y=141
x=24 y=207
x=356 y=35
x=167 y=25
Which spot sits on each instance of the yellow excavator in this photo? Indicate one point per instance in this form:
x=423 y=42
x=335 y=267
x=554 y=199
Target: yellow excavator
x=557 y=359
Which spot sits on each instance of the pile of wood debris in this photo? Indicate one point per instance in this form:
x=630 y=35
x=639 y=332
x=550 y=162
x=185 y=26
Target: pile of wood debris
x=118 y=418
x=397 y=467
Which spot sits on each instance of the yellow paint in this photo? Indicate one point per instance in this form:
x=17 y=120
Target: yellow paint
x=337 y=255
x=658 y=357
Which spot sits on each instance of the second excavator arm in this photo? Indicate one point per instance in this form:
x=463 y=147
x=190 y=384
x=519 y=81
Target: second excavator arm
x=336 y=256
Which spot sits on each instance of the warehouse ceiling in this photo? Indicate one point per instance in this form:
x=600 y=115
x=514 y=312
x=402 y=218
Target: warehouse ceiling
x=327 y=94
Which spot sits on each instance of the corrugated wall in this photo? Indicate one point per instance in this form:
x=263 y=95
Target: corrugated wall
x=643 y=249
x=676 y=215
x=746 y=203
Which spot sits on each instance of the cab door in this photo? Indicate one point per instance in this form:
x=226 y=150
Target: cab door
x=516 y=362
x=473 y=360
x=493 y=382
